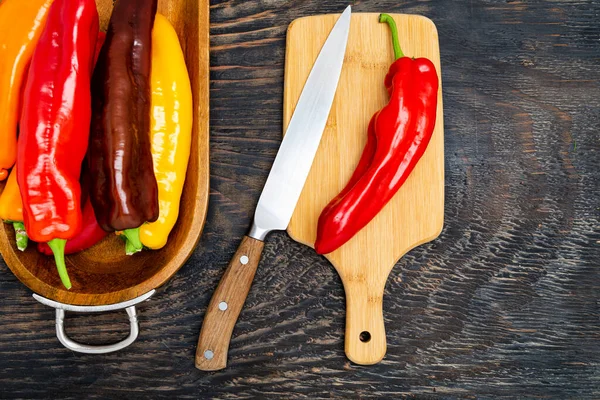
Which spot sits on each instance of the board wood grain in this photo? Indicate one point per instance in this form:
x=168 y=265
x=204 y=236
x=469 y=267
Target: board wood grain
x=104 y=274
x=415 y=215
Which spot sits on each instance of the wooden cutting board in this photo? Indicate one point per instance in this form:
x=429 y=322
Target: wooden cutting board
x=415 y=215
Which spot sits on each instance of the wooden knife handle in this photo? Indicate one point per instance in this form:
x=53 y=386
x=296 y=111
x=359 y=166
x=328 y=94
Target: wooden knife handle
x=226 y=305
x=365 y=330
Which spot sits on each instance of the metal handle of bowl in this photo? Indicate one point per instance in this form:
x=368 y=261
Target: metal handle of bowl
x=70 y=344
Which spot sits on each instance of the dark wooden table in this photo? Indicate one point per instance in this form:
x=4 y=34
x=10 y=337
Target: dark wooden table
x=504 y=304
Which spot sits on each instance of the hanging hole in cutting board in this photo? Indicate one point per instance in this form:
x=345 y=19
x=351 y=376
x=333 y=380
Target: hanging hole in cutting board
x=365 y=337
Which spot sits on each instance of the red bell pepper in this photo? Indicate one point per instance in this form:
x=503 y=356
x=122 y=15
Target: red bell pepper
x=398 y=137
x=55 y=126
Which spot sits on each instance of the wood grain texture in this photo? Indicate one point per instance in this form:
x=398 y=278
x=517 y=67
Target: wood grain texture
x=226 y=304
x=504 y=304
x=415 y=215
x=104 y=274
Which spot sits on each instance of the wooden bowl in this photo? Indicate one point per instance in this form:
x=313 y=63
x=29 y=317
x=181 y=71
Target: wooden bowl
x=104 y=274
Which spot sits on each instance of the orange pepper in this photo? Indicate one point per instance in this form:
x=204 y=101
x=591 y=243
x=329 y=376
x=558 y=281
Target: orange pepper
x=21 y=24
x=11 y=209
x=11 y=206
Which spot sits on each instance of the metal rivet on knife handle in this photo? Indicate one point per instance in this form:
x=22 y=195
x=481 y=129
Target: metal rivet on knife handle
x=209 y=354
x=244 y=260
x=222 y=306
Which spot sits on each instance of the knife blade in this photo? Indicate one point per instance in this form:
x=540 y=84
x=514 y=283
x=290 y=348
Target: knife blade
x=278 y=198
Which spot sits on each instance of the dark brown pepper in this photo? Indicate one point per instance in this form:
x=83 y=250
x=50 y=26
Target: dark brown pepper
x=124 y=192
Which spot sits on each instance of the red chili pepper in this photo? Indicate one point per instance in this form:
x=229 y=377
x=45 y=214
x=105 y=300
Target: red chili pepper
x=398 y=136
x=91 y=233
x=55 y=126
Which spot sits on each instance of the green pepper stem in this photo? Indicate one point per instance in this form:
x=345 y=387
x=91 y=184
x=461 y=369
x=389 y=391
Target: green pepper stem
x=21 y=235
x=133 y=243
x=58 y=248
x=386 y=18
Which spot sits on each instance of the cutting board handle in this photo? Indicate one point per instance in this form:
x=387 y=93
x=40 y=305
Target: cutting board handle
x=365 y=330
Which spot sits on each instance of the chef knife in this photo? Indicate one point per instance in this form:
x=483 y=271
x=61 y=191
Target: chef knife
x=278 y=199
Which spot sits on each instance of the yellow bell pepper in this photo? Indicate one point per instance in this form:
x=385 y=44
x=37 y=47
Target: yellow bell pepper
x=21 y=25
x=171 y=129
x=11 y=209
